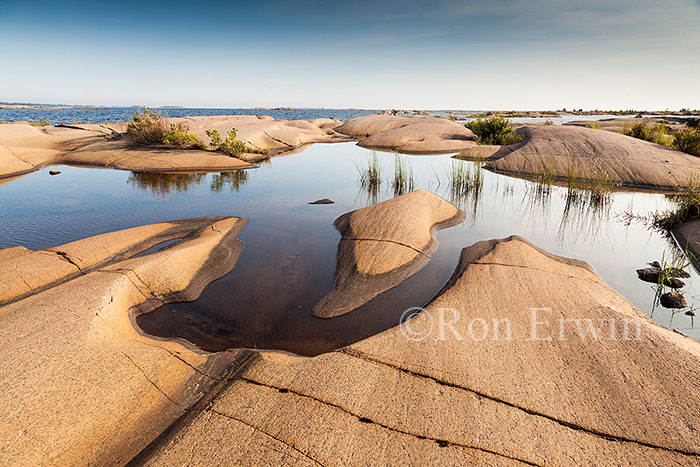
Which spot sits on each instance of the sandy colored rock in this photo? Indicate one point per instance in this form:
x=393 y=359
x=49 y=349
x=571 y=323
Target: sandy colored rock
x=80 y=385
x=263 y=132
x=25 y=148
x=414 y=135
x=591 y=154
x=25 y=272
x=451 y=401
x=384 y=244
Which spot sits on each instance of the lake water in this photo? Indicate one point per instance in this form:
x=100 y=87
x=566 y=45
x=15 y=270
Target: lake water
x=288 y=260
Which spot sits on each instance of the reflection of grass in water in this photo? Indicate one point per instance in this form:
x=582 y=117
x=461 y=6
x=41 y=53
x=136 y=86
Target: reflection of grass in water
x=466 y=184
x=235 y=179
x=371 y=178
x=164 y=184
x=587 y=207
x=403 y=175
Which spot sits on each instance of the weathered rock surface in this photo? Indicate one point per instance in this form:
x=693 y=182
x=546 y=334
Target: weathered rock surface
x=417 y=135
x=384 y=244
x=389 y=400
x=618 y=124
x=25 y=148
x=561 y=150
x=80 y=385
x=263 y=132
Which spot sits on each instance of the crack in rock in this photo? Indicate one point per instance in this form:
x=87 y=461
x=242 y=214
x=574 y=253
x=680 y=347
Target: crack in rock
x=593 y=432
x=440 y=442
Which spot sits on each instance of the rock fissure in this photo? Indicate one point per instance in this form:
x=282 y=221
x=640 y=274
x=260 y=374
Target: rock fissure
x=269 y=435
x=352 y=239
x=573 y=426
x=152 y=383
x=441 y=442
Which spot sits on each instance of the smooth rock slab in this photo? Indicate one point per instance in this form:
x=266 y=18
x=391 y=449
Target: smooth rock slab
x=414 y=135
x=382 y=245
x=81 y=386
x=441 y=399
x=588 y=154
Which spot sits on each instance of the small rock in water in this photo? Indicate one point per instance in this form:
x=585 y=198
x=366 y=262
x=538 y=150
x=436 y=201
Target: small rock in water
x=54 y=172
x=652 y=275
x=323 y=201
x=673 y=300
x=690 y=313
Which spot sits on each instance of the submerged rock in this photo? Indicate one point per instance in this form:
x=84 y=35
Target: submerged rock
x=471 y=392
x=323 y=201
x=54 y=172
x=654 y=275
x=673 y=300
x=382 y=245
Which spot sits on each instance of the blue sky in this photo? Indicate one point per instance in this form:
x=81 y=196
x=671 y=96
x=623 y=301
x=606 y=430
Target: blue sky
x=485 y=54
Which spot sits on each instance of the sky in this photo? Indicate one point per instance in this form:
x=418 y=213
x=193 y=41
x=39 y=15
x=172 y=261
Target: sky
x=402 y=54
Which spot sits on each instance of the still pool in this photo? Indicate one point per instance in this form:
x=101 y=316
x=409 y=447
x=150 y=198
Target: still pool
x=288 y=260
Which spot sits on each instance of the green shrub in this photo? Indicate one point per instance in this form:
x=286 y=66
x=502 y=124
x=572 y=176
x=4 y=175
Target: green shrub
x=179 y=136
x=548 y=122
x=594 y=126
x=494 y=130
x=231 y=145
x=40 y=122
x=655 y=134
x=687 y=140
x=149 y=128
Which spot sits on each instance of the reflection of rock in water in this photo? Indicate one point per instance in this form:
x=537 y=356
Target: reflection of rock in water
x=382 y=245
x=164 y=184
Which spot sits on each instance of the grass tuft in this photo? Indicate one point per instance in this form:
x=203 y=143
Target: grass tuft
x=403 y=175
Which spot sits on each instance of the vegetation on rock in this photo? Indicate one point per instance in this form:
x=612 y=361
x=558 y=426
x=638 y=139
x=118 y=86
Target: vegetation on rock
x=148 y=128
x=494 y=130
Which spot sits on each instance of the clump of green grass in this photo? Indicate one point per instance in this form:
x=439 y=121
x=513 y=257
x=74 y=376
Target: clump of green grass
x=548 y=122
x=231 y=145
x=656 y=134
x=494 y=130
x=594 y=126
x=403 y=175
x=371 y=176
x=149 y=128
x=687 y=140
x=40 y=122
x=687 y=208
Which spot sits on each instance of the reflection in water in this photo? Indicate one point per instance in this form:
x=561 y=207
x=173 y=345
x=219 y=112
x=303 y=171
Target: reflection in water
x=235 y=180
x=403 y=175
x=586 y=210
x=290 y=246
x=165 y=184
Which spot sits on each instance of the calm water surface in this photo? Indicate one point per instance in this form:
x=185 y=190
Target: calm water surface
x=288 y=260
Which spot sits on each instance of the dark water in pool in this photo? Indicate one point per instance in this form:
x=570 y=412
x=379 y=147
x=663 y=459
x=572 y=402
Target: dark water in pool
x=288 y=259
